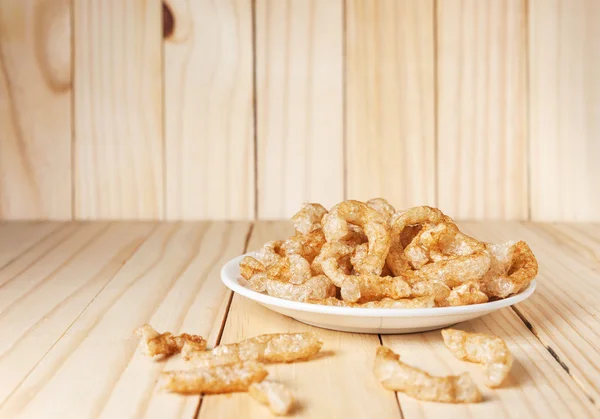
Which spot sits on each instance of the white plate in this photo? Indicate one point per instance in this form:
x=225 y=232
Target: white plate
x=366 y=320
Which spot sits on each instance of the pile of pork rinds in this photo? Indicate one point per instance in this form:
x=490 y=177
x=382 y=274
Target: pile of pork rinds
x=240 y=367
x=367 y=254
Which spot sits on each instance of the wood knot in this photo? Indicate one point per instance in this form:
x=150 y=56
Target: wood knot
x=168 y=21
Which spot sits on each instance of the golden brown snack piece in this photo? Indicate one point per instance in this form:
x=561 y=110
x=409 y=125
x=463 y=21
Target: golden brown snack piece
x=434 y=289
x=271 y=252
x=397 y=376
x=366 y=288
x=513 y=267
x=359 y=255
x=249 y=266
x=335 y=227
x=489 y=350
x=214 y=379
x=165 y=344
x=336 y=257
x=419 y=302
x=383 y=207
x=268 y=349
x=466 y=294
x=456 y=270
x=306 y=245
x=309 y=218
x=292 y=268
x=276 y=396
x=319 y=286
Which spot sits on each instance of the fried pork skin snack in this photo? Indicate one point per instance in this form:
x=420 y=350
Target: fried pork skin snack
x=316 y=287
x=309 y=218
x=374 y=225
x=276 y=396
x=365 y=288
x=466 y=294
x=215 y=379
x=268 y=349
x=419 y=302
x=513 y=267
x=165 y=344
x=489 y=350
x=249 y=267
x=397 y=376
x=383 y=207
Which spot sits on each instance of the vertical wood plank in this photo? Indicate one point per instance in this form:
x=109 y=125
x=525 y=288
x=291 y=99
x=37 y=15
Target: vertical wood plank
x=209 y=131
x=118 y=109
x=390 y=101
x=564 y=63
x=299 y=104
x=482 y=109
x=35 y=109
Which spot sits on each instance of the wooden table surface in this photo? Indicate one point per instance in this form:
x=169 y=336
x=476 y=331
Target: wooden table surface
x=72 y=293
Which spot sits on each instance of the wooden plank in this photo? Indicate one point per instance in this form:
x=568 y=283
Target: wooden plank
x=564 y=311
x=390 y=121
x=564 y=109
x=172 y=282
x=339 y=383
x=481 y=109
x=118 y=120
x=64 y=287
x=209 y=126
x=35 y=109
x=299 y=104
x=537 y=387
x=16 y=238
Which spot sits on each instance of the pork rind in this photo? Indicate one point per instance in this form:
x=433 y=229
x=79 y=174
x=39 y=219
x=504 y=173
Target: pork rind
x=513 y=267
x=365 y=288
x=214 y=379
x=249 y=267
x=271 y=252
x=306 y=245
x=383 y=207
x=374 y=225
x=309 y=218
x=165 y=344
x=418 y=302
x=319 y=286
x=489 y=350
x=274 y=395
x=466 y=294
x=268 y=349
x=397 y=376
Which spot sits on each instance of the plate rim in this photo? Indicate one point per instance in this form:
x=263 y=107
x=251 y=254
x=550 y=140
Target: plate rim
x=231 y=282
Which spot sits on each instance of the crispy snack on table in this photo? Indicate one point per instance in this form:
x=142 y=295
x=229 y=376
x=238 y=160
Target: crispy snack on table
x=165 y=344
x=513 y=267
x=275 y=395
x=214 y=379
x=316 y=287
x=397 y=376
x=309 y=218
x=270 y=348
x=418 y=302
x=369 y=253
x=489 y=350
x=335 y=227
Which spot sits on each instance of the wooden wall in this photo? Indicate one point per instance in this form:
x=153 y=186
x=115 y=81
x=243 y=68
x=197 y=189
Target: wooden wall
x=197 y=109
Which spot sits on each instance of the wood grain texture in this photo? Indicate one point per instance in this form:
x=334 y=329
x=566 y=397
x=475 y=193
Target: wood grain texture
x=43 y=301
x=171 y=282
x=118 y=109
x=482 y=109
x=339 y=383
x=16 y=238
x=390 y=121
x=209 y=127
x=537 y=386
x=564 y=312
x=35 y=109
x=564 y=62
x=299 y=104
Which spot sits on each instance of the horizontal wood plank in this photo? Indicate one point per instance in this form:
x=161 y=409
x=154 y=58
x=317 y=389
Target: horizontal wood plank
x=15 y=238
x=339 y=383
